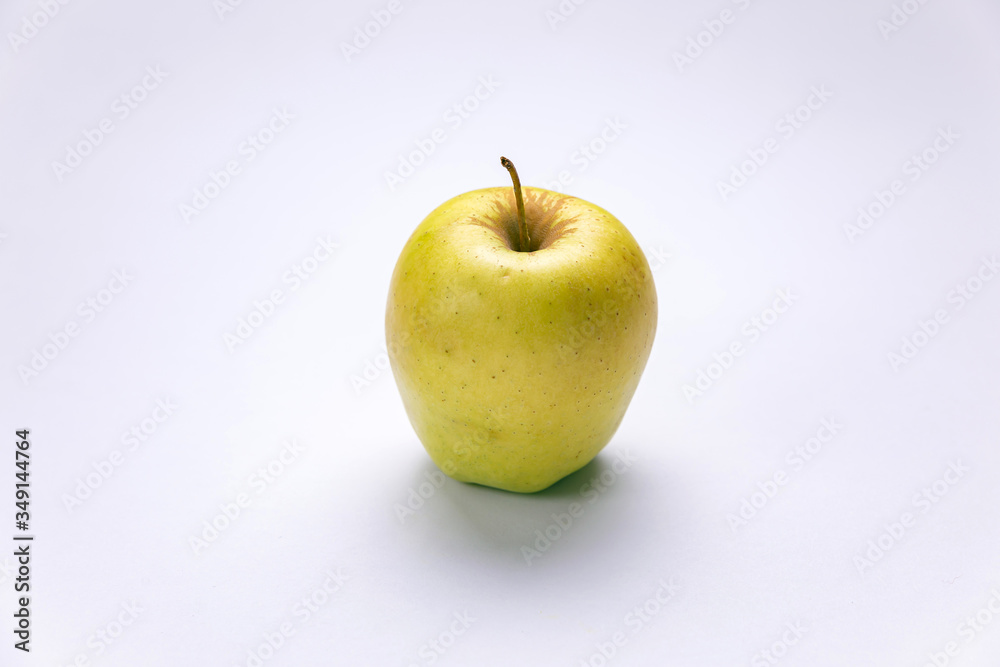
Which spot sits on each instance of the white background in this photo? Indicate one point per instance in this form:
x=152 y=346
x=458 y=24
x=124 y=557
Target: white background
x=719 y=261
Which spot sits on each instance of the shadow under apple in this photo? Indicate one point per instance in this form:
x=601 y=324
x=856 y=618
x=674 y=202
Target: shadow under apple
x=595 y=513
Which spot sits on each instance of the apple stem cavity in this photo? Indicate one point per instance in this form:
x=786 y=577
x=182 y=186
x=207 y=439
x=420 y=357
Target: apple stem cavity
x=522 y=224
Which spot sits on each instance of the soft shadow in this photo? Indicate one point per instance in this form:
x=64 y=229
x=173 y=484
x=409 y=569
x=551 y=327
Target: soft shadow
x=494 y=525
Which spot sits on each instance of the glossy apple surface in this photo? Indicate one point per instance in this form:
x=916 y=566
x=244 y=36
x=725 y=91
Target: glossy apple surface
x=516 y=367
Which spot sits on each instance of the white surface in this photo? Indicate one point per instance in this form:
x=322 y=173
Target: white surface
x=335 y=505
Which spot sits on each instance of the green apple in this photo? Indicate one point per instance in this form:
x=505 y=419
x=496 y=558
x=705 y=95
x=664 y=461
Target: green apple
x=518 y=325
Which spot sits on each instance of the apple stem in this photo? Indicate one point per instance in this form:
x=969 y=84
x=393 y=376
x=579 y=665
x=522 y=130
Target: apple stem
x=522 y=226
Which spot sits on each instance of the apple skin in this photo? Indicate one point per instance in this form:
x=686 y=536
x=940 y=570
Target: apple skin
x=516 y=368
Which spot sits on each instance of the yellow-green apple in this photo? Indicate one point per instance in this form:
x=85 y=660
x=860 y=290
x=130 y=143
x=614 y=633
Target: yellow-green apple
x=518 y=324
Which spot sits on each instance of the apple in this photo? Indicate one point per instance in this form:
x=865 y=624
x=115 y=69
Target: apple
x=518 y=323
